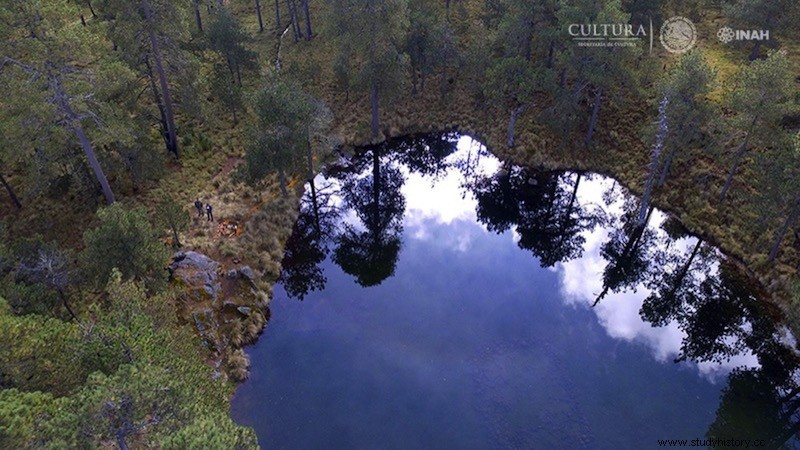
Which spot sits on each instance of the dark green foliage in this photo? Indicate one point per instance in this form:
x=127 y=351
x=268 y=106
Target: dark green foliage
x=125 y=240
x=225 y=89
x=39 y=276
x=430 y=43
x=279 y=136
x=226 y=37
x=596 y=73
x=511 y=83
x=131 y=375
x=40 y=353
x=760 y=97
x=369 y=36
x=171 y=215
x=780 y=17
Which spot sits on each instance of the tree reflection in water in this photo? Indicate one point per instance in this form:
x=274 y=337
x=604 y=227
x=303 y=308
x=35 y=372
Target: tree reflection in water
x=370 y=255
x=369 y=186
x=541 y=205
x=356 y=219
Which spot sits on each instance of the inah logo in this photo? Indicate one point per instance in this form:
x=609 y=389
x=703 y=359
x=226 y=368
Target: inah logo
x=728 y=34
x=678 y=34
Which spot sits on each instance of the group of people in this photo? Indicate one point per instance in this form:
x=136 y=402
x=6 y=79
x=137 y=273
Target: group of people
x=208 y=210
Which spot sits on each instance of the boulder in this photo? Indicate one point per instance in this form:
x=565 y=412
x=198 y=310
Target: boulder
x=197 y=271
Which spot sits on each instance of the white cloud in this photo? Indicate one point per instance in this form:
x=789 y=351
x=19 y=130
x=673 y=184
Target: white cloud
x=618 y=313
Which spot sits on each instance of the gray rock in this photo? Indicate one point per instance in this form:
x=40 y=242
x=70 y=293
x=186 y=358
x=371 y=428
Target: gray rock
x=247 y=272
x=198 y=270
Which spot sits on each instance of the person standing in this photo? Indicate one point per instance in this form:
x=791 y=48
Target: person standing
x=209 y=212
x=199 y=205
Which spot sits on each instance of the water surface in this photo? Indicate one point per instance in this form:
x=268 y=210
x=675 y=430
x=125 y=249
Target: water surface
x=433 y=297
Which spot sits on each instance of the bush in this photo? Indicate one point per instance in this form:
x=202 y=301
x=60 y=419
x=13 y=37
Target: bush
x=125 y=240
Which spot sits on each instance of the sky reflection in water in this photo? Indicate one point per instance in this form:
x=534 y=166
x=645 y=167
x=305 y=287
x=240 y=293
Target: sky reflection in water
x=454 y=336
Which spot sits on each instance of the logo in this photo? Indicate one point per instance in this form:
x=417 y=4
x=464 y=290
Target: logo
x=728 y=34
x=678 y=34
x=609 y=34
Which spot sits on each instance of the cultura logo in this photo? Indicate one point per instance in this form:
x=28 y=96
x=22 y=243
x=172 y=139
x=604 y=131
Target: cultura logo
x=728 y=34
x=608 y=34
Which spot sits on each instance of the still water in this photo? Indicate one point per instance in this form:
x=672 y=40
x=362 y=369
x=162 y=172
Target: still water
x=434 y=297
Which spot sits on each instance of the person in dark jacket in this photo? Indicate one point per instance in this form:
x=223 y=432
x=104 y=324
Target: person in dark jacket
x=209 y=212
x=199 y=205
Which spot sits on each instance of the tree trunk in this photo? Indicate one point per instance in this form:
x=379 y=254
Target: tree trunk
x=282 y=179
x=684 y=270
x=260 y=19
x=593 y=120
x=308 y=19
x=93 y=162
x=197 y=16
x=648 y=190
x=315 y=207
x=238 y=73
x=527 y=48
x=784 y=438
x=640 y=231
x=293 y=20
x=314 y=203
x=121 y=442
x=159 y=103
x=550 y=54
x=11 y=192
x=89 y=4
x=574 y=195
x=373 y=97
x=568 y=213
x=277 y=16
x=665 y=171
x=790 y=219
x=754 y=53
x=310 y=161
x=512 y=122
x=443 y=85
x=66 y=304
x=176 y=243
x=376 y=185
x=729 y=180
x=74 y=124
x=162 y=77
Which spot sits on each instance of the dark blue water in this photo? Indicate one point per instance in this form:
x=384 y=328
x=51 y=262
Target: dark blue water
x=470 y=343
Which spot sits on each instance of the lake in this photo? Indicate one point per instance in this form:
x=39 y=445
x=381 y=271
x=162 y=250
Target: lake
x=433 y=296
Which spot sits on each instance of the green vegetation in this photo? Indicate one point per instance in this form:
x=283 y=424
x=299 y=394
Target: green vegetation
x=136 y=104
x=124 y=240
x=279 y=134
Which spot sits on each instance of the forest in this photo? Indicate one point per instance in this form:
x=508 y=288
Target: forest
x=124 y=310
